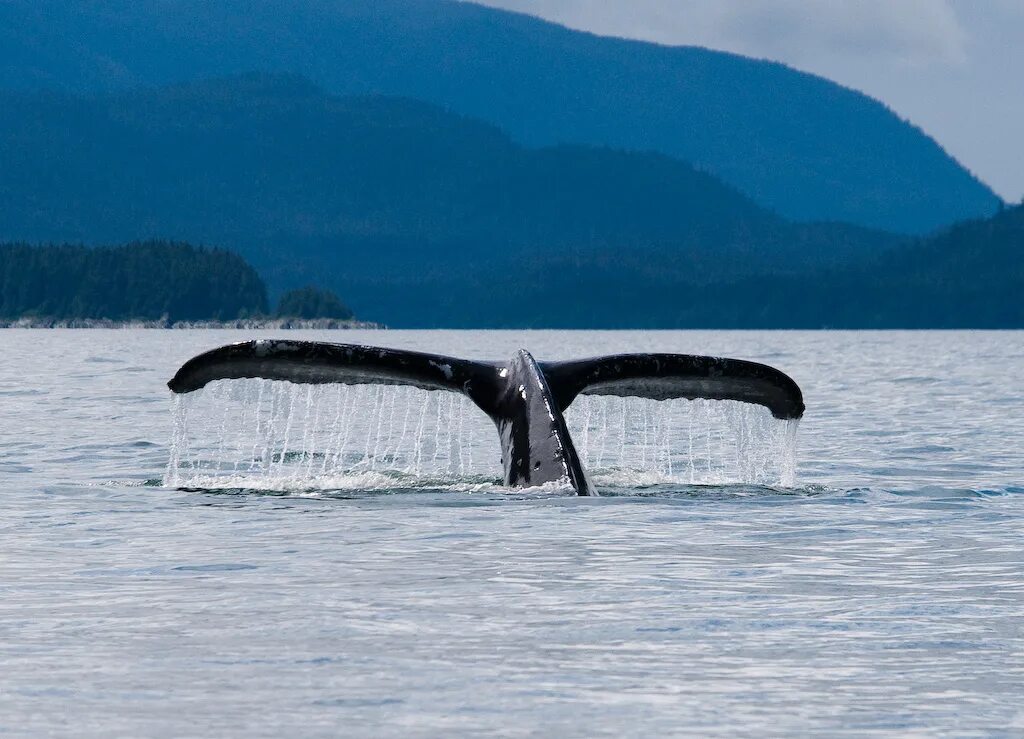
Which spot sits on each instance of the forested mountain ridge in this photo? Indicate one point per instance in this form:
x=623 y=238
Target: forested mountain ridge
x=968 y=276
x=142 y=281
x=795 y=143
x=408 y=211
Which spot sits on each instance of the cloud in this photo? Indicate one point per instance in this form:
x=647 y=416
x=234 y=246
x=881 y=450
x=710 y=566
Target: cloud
x=912 y=32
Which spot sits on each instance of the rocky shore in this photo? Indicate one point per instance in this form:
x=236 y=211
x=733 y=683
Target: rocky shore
x=242 y=323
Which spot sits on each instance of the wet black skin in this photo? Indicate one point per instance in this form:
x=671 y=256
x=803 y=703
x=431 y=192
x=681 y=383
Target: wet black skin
x=525 y=399
x=535 y=444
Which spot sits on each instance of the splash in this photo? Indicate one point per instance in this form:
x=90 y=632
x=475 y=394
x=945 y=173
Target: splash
x=639 y=442
x=272 y=435
x=277 y=435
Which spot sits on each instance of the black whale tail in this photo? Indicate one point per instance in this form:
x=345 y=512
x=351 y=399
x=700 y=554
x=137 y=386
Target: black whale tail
x=526 y=399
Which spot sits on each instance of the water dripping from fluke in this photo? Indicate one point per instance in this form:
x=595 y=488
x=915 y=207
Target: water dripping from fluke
x=304 y=418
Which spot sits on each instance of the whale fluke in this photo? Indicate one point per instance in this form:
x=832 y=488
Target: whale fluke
x=526 y=399
x=667 y=376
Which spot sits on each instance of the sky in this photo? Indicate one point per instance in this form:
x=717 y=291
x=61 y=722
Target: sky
x=955 y=68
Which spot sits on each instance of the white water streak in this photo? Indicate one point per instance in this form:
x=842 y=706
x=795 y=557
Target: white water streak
x=276 y=435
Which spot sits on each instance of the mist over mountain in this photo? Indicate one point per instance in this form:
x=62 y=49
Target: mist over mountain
x=797 y=144
x=416 y=216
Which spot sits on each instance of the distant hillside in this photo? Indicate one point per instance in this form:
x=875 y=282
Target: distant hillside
x=970 y=276
x=798 y=144
x=144 y=281
x=409 y=212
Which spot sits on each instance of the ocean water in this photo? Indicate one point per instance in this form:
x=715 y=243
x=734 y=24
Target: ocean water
x=172 y=569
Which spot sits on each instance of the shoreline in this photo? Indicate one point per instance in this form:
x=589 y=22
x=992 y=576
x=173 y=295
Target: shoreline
x=286 y=324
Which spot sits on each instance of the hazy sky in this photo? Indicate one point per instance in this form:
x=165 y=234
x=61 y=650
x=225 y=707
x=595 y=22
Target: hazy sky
x=953 y=67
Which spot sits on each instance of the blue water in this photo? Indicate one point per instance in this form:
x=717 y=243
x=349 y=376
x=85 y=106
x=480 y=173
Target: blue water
x=882 y=592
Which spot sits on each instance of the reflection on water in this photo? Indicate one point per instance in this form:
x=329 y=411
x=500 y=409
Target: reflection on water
x=880 y=593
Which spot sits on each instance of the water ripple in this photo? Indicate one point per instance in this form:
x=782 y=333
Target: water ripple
x=879 y=594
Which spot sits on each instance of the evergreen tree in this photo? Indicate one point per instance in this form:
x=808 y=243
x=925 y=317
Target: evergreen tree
x=311 y=302
x=141 y=281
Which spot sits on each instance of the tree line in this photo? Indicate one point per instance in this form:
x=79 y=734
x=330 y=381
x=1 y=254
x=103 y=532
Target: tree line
x=149 y=281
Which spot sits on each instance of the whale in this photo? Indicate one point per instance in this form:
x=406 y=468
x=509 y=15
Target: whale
x=526 y=399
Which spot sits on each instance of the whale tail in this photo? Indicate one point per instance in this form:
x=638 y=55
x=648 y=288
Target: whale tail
x=526 y=399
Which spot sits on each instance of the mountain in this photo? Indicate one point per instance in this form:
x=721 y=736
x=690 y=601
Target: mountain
x=797 y=144
x=968 y=276
x=416 y=216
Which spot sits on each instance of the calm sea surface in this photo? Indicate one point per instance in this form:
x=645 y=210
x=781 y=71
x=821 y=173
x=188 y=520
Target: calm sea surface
x=882 y=592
